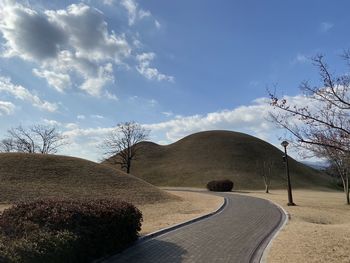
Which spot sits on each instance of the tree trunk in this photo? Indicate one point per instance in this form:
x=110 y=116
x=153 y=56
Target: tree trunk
x=267 y=188
x=128 y=166
x=347 y=191
x=345 y=180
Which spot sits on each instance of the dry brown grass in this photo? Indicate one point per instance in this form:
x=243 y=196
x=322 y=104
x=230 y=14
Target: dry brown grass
x=318 y=231
x=199 y=158
x=161 y=215
x=30 y=176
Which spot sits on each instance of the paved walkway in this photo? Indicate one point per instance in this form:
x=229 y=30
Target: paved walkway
x=236 y=234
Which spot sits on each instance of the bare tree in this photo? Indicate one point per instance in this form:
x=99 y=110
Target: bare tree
x=121 y=144
x=264 y=169
x=340 y=162
x=7 y=145
x=35 y=139
x=50 y=139
x=322 y=126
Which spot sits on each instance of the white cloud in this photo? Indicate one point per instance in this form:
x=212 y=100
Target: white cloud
x=94 y=85
x=300 y=58
x=71 y=125
x=51 y=122
x=111 y=96
x=87 y=33
x=152 y=102
x=6 y=108
x=74 y=47
x=29 y=34
x=96 y=116
x=65 y=43
x=167 y=113
x=81 y=117
x=89 y=132
x=134 y=12
x=250 y=119
x=59 y=81
x=24 y=94
x=326 y=26
x=143 y=14
x=157 y=24
x=131 y=7
x=108 y=2
x=147 y=71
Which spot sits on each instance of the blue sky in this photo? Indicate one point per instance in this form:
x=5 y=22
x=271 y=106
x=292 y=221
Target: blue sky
x=177 y=67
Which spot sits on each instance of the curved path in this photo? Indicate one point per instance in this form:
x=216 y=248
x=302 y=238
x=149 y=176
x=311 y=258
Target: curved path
x=239 y=233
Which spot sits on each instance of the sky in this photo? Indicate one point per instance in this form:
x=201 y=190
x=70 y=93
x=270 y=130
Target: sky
x=176 y=67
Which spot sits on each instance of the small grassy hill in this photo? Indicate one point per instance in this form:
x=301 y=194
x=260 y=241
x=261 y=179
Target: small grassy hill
x=28 y=176
x=204 y=156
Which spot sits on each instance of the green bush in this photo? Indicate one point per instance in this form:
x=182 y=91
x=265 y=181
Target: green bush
x=94 y=228
x=220 y=185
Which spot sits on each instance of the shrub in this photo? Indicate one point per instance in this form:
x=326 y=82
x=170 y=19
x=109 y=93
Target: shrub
x=220 y=185
x=99 y=227
x=40 y=247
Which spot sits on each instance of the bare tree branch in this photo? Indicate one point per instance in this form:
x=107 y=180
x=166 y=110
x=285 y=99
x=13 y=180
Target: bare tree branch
x=35 y=139
x=323 y=126
x=121 y=145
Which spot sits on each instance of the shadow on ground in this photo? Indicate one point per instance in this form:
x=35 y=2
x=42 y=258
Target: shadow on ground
x=164 y=251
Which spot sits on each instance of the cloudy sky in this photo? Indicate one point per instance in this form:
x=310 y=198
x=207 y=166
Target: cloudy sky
x=177 y=67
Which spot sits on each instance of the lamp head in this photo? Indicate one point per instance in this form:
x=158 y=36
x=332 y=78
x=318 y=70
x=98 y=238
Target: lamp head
x=284 y=144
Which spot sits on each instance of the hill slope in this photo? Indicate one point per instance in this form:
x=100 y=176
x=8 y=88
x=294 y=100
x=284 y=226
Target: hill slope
x=204 y=156
x=28 y=176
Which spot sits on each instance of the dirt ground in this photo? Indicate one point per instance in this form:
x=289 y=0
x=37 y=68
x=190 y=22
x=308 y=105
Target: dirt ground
x=161 y=215
x=318 y=230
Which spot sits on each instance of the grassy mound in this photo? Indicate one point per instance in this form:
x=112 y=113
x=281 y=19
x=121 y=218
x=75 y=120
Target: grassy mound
x=205 y=156
x=31 y=176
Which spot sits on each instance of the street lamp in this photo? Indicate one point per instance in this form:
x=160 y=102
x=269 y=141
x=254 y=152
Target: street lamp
x=290 y=197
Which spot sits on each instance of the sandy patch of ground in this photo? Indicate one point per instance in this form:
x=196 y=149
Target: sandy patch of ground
x=161 y=215
x=318 y=230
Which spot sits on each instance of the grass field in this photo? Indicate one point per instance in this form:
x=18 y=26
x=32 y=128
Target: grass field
x=30 y=176
x=318 y=231
x=199 y=158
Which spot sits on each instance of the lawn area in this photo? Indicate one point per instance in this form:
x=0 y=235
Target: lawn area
x=160 y=215
x=318 y=230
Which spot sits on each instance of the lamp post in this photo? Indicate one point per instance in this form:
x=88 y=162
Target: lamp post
x=290 y=197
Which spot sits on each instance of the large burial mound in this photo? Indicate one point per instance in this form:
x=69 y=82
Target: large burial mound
x=28 y=176
x=204 y=156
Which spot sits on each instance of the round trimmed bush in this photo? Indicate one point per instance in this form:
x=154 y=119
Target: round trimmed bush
x=94 y=228
x=220 y=185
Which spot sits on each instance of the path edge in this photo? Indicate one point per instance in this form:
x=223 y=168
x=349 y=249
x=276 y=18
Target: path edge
x=166 y=230
x=274 y=233
x=177 y=226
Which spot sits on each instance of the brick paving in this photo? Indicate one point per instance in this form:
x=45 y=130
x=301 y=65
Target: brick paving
x=233 y=235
